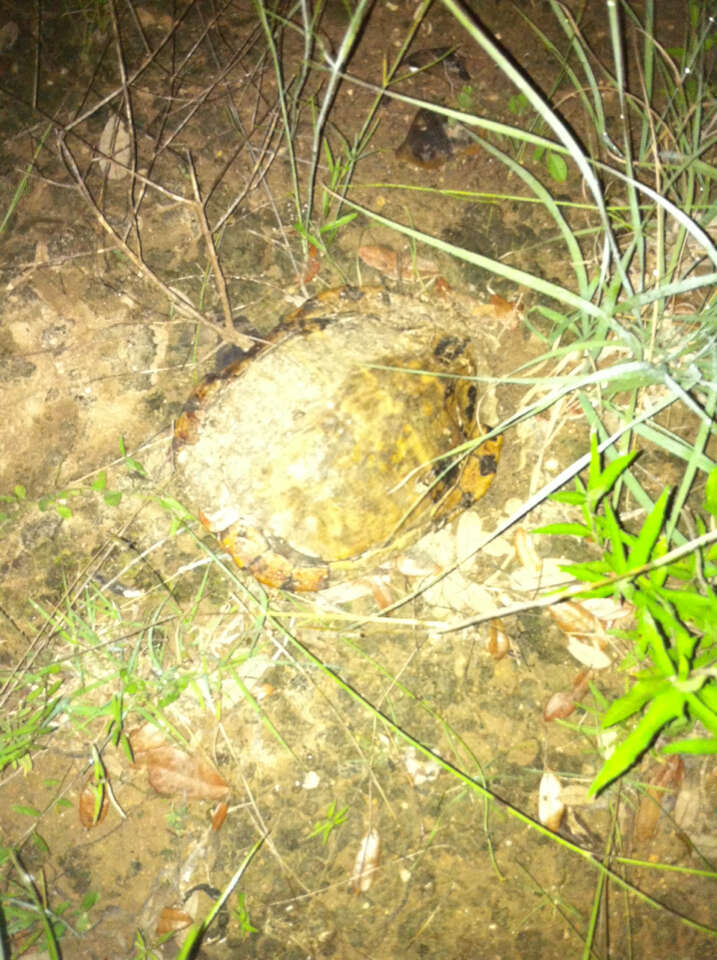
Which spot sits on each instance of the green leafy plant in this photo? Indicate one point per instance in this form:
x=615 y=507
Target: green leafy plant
x=27 y=914
x=241 y=915
x=334 y=818
x=554 y=162
x=60 y=500
x=33 y=719
x=11 y=505
x=465 y=98
x=673 y=662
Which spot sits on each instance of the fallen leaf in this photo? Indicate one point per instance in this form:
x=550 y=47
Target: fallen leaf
x=419 y=768
x=381 y=591
x=314 y=264
x=41 y=253
x=575 y=619
x=666 y=778
x=508 y=313
x=366 y=862
x=219 y=815
x=146 y=737
x=550 y=807
x=174 y=772
x=171 y=920
x=562 y=703
x=499 y=642
x=442 y=287
x=526 y=553
x=115 y=148
x=589 y=654
x=9 y=33
x=394 y=265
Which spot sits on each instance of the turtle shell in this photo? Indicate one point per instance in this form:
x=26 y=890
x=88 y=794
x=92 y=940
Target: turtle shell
x=321 y=451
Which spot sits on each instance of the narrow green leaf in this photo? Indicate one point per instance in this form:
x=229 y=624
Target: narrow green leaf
x=565 y=530
x=710 y=502
x=133 y=465
x=606 y=480
x=665 y=707
x=594 y=469
x=707 y=717
x=89 y=900
x=617 y=555
x=337 y=224
x=575 y=498
x=650 y=531
x=680 y=638
x=589 y=572
x=701 y=611
x=174 y=506
x=708 y=695
x=649 y=611
x=696 y=746
x=634 y=700
x=26 y=811
x=40 y=842
x=658 y=576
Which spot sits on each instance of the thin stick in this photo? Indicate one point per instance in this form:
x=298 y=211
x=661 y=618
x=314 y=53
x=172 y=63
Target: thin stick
x=209 y=240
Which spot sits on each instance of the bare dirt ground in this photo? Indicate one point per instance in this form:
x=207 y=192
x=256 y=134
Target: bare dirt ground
x=114 y=307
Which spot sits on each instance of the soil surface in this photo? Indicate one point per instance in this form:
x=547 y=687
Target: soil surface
x=125 y=282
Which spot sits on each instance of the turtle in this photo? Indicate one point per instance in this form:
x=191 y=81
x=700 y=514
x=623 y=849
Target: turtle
x=340 y=439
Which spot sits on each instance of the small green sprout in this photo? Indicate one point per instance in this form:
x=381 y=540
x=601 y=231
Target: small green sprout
x=241 y=915
x=333 y=818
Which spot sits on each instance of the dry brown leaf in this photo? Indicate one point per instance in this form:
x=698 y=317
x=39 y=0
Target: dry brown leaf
x=442 y=287
x=526 y=553
x=42 y=255
x=383 y=259
x=550 y=806
x=313 y=265
x=172 y=771
x=667 y=777
x=366 y=862
x=146 y=737
x=575 y=619
x=499 y=641
x=509 y=314
x=393 y=265
x=89 y=816
x=381 y=592
x=590 y=654
x=420 y=769
x=219 y=815
x=115 y=143
x=171 y=920
x=9 y=32
x=562 y=703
